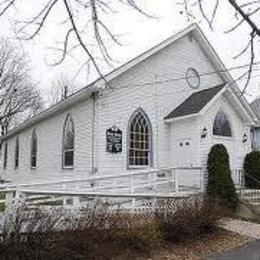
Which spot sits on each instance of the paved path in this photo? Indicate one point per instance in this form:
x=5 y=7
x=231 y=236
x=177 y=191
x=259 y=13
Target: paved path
x=251 y=251
x=244 y=228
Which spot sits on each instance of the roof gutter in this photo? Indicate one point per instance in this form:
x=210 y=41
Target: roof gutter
x=77 y=97
x=176 y=119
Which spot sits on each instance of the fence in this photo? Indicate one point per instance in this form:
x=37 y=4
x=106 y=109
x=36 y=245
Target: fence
x=129 y=190
x=238 y=178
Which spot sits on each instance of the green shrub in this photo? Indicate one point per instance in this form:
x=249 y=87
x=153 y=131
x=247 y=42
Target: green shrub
x=220 y=184
x=252 y=170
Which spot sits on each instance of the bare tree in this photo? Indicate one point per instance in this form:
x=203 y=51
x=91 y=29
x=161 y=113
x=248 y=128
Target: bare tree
x=245 y=14
x=84 y=16
x=82 y=21
x=61 y=89
x=19 y=97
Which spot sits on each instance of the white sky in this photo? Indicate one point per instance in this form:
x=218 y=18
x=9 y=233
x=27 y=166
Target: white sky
x=136 y=32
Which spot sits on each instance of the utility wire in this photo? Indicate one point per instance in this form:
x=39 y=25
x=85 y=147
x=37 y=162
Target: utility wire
x=166 y=80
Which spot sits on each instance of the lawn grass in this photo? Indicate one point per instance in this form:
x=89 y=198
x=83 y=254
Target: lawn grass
x=2 y=207
x=51 y=203
x=2 y=196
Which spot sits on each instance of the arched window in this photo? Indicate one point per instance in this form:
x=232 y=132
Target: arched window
x=34 y=150
x=16 y=153
x=68 y=143
x=5 y=155
x=140 y=140
x=221 y=125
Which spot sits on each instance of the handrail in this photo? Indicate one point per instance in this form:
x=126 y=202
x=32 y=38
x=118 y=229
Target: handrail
x=96 y=178
x=102 y=194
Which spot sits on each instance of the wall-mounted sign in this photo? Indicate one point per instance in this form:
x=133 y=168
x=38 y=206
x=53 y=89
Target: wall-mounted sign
x=114 y=140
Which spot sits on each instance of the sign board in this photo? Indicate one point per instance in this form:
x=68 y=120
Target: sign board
x=114 y=140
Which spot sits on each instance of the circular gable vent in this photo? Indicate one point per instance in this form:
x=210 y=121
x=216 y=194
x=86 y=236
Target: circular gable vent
x=193 y=78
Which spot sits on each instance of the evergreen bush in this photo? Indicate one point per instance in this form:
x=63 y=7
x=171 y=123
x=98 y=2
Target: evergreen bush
x=252 y=170
x=220 y=184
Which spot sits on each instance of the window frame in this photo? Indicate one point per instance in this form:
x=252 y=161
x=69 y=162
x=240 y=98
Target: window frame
x=150 y=142
x=64 y=151
x=228 y=137
x=16 y=153
x=5 y=155
x=33 y=136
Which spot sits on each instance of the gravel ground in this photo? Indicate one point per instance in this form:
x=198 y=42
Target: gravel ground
x=207 y=245
x=241 y=227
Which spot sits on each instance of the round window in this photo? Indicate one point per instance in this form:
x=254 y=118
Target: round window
x=193 y=78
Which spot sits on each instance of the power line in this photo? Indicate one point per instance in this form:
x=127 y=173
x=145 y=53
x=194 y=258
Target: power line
x=184 y=78
x=166 y=80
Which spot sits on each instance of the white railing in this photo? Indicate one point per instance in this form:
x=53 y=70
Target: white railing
x=130 y=186
x=238 y=178
x=250 y=194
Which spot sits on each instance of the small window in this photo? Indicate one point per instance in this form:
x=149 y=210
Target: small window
x=221 y=125
x=34 y=150
x=16 y=153
x=68 y=143
x=5 y=155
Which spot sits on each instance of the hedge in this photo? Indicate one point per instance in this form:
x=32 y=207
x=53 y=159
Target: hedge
x=252 y=170
x=220 y=184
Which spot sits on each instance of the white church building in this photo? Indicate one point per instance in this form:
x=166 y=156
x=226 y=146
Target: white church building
x=164 y=109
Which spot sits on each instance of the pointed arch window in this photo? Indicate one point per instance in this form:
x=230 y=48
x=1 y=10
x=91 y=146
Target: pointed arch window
x=221 y=125
x=68 y=143
x=16 y=153
x=140 y=140
x=5 y=154
x=34 y=148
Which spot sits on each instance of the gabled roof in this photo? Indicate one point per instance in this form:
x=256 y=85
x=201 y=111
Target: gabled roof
x=195 y=103
x=255 y=105
x=99 y=84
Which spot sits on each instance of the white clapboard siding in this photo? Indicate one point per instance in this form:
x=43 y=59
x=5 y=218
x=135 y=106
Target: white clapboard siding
x=115 y=106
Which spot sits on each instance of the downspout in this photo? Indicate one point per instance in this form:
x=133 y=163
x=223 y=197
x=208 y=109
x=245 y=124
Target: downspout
x=93 y=169
x=156 y=118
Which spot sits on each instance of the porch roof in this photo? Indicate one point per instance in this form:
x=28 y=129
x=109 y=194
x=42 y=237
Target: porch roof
x=194 y=103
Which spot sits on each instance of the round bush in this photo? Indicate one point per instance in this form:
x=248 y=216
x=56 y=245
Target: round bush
x=252 y=170
x=220 y=184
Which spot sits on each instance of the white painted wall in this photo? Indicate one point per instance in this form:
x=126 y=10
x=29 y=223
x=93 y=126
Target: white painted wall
x=236 y=148
x=49 y=158
x=157 y=99
x=114 y=107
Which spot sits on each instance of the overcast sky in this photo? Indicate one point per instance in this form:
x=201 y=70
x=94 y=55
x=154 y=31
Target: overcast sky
x=137 y=34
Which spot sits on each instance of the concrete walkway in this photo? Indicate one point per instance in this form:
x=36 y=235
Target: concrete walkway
x=251 y=251
x=241 y=227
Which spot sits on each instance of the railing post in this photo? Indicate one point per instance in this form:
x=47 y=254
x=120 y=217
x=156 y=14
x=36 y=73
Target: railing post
x=173 y=178
x=132 y=189
x=176 y=181
x=154 y=204
x=202 y=183
x=76 y=200
x=9 y=199
x=64 y=199
x=133 y=205
x=154 y=180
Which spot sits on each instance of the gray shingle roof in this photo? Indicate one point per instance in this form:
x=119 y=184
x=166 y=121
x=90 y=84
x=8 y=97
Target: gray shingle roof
x=194 y=103
x=255 y=105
